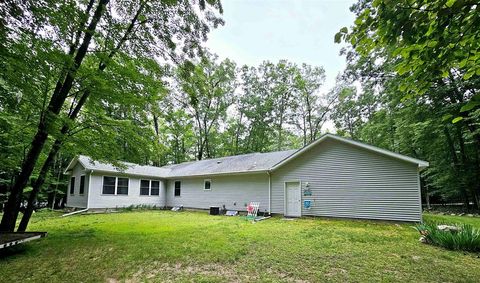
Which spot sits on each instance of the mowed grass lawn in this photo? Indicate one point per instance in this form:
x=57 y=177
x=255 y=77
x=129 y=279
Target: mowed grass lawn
x=193 y=246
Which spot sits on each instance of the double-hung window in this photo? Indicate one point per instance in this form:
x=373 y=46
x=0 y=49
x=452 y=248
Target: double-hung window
x=122 y=186
x=115 y=186
x=72 y=185
x=178 y=185
x=149 y=187
x=82 y=185
x=155 y=188
x=144 y=187
x=207 y=185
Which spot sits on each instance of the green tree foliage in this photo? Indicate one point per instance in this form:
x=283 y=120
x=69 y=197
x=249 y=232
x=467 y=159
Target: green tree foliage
x=129 y=80
x=206 y=91
x=58 y=62
x=417 y=62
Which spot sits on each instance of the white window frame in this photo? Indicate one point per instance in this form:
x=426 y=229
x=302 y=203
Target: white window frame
x=116 y=186
x=204 y=182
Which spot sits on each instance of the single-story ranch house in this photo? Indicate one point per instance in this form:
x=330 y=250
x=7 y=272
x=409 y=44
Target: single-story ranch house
x=333 y=177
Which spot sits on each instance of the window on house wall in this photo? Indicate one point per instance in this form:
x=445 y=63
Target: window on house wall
x=207 y=185
x=155 y=191
x=72 y=185
x=122 y=186
x=144 y=187
x=109 y=185
x=177 y=188
x=82 y=185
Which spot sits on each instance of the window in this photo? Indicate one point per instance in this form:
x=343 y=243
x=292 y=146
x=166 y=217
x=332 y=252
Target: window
x=72 y=185
x=82 y=185
x=115 y=186
x=149 y=187
x=207 y=185
x=109 y=185
x=155 y=188
x=177 y=188
x=144 y=187
x=122 y=186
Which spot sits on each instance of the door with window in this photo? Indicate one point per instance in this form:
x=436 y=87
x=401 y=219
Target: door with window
x=293 y=199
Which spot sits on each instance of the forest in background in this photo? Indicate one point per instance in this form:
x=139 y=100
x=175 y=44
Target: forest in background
x=144 y=90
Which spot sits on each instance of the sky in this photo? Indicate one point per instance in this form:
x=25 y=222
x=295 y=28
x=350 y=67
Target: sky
x=300 y=31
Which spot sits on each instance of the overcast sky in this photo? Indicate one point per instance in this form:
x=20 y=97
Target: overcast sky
x=300 y=31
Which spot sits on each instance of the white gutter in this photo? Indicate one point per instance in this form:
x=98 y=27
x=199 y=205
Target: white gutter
x=89 y=185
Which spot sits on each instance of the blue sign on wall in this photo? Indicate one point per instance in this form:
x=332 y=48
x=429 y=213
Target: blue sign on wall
x=307 y=204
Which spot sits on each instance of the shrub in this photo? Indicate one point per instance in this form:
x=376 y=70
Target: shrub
x=464 y=238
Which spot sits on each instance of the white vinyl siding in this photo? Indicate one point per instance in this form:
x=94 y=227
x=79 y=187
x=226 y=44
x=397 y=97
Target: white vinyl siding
x=77 y=199
x=99 y=200
x=347 y=181
x=232 y=191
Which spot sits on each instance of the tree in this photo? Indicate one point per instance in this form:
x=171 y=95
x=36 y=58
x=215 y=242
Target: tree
x=407 y=56
x=312 y=114
x=206 y=92
x=137 y=28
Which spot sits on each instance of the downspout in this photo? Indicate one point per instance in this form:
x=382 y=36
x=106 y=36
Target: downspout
x=89 y=185
x=269 y=192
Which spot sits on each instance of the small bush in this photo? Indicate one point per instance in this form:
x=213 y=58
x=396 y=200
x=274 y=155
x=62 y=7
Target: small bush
x=466 y=238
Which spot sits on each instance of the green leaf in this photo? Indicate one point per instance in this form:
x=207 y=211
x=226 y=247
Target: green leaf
x=469 y=106
x=469 y=74
x=432 y=43
x=450 y=3
x=447 y=117
x=344 y=30
x=457 y=119
x=358 y=21
x=338 y=37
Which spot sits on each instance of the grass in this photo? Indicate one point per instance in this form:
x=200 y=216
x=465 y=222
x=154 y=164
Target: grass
x=193 y=246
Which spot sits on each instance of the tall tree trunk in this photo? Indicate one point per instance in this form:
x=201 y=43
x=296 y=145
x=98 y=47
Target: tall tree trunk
x=456 y=165
x=37 y=186
x=57 y=100
x=65 y=129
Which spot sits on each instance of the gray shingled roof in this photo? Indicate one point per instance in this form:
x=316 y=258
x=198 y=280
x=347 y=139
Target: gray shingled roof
x=131 y=168
x=231 y=164
x=244 y=163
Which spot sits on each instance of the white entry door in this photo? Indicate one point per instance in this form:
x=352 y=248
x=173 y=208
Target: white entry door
x=293 y=199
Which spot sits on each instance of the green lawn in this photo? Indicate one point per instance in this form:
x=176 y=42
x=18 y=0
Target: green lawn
x=193 y=246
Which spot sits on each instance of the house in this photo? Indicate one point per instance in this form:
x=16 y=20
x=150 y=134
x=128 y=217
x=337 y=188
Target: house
x=332 y=177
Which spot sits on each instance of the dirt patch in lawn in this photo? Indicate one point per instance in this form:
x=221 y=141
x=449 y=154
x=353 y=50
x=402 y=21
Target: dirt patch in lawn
x=172 y=272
